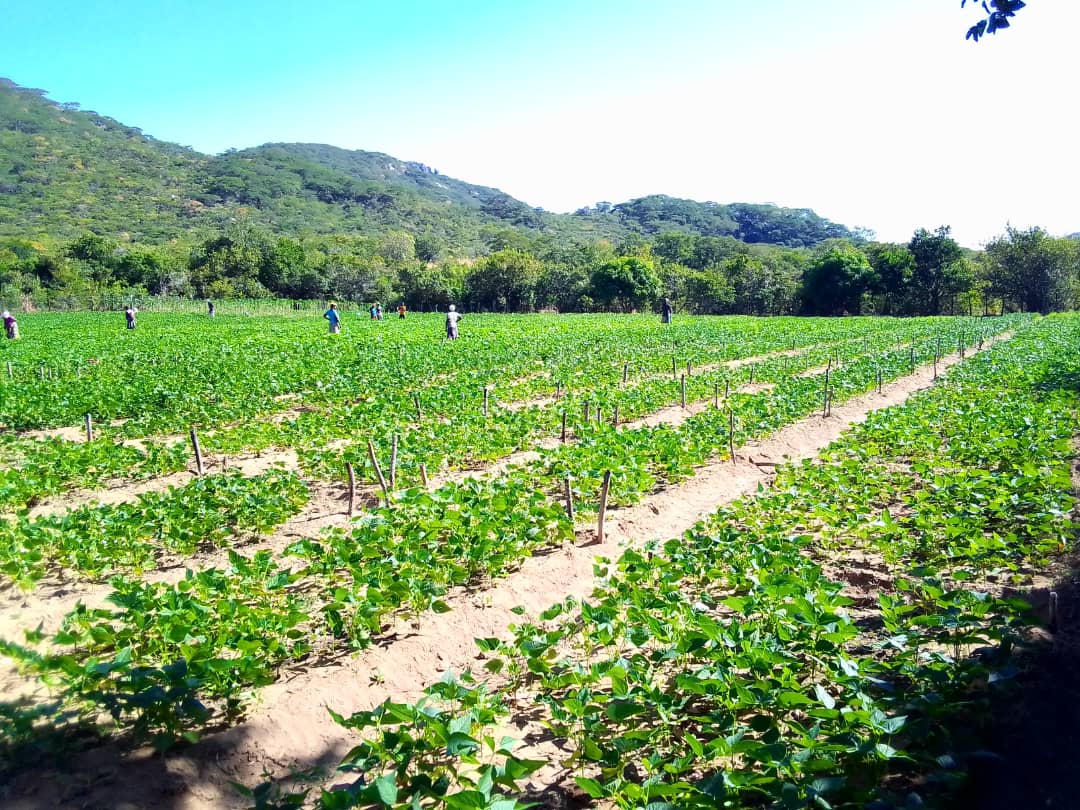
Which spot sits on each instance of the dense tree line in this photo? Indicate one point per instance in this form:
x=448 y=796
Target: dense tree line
x=928 y=275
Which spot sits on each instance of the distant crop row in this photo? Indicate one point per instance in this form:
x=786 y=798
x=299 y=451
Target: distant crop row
x=397 y=383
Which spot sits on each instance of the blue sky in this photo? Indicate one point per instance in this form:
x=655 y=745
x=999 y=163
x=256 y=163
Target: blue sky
x=874 y=114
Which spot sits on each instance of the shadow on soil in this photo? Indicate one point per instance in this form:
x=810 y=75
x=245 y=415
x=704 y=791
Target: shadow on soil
x=79 y=770
x=1032 y=742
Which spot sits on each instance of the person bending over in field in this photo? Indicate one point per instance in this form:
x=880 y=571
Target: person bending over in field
x=334 y=317
x=130 y=314
x=452 y=318
x=11 y=326
x=665 y=310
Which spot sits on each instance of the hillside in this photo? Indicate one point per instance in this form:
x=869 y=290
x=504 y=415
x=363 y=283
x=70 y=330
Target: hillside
x=66 y=171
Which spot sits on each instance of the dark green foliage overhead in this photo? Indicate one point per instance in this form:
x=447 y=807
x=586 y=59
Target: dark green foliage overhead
x=994 y=20
x=66 y=172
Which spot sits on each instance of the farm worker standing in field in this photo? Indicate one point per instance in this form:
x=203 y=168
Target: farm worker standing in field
x=130 y=314
x=378 y=312
x=373 y=311
x=11 y=326
x=452 y=317
x=665 y=310
x=334 y=317
x=401 y=311
x=210 y=308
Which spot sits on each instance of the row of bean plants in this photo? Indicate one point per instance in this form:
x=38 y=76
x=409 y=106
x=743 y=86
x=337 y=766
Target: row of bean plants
x=733 y=667
x=98 y=540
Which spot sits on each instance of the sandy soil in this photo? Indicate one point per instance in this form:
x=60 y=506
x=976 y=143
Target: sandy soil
x=290 y=728
x=813 y=372
x=755 y=388
x=761 y=358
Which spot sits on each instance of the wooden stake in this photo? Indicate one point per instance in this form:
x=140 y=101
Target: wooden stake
x=674 y=369
x=352 y=486
x=485 y=401
x=731 y=435
x=825 y=395
x=615 y=418
x=378 y=471
x=562 y=438
x=751 y=373
x=198 y=452
x=727 y=387
x=416 y=402
x=10 y=373
x=393 y=464
x=598 y=417
x=568 y=490
x=89 y=428
x=604 y=488
x=682 y=393
x=689 y=369
x=587 y=411
x=625 y=372
x=935 y=367
x=716 y=395
x=423 y=474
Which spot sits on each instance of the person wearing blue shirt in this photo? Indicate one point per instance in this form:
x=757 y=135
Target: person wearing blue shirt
x=334 y=317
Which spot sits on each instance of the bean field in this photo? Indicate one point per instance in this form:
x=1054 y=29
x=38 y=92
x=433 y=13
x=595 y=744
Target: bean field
x=586 y=561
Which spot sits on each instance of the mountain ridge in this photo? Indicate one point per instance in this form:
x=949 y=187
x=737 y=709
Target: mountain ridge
x=66 y=171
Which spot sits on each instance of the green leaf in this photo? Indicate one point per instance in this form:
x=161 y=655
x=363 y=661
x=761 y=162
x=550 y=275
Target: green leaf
x=826 y=699
x=591 y=787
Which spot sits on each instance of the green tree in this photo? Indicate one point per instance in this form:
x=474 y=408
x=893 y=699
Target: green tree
x=96 y=253
x=894 y=268
x=1032 y=270
x=938 y=273
x=699 y=292
x=835 y=282
x=426 y=288
x=562 y=287
x=398 y=247
x=625 y=283
x=353 y=278
x=428 y=247
x=505 y=280
x=224 y=268
x=281 y=270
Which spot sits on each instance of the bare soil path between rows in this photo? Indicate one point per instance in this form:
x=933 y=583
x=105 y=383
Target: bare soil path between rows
x=290 y=729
